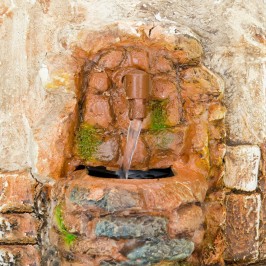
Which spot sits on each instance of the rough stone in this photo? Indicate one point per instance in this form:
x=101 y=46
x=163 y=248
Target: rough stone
x=144 y=227
x=263 y=159
x=242 y=227
x=262 y=248
x=139 y=58
x=165 y=146
x=245 y=119
x=100 y=247
x=185 y=220
x=199 y=84
x=107 y=152
x=161 y=64
x=242 y=166
x=50 y=134
x=20 y=255
x=97 y=111
x=173 y=250
x=111 y=59
x=14 y=199
x=18 y=228
x=162 y=88
x=213 y=245
x=85 y=193
x=98 y=81
x=115 y=199
x=141 y=155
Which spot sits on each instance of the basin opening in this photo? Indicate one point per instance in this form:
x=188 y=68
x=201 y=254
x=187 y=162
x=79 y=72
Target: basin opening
x=101 y=171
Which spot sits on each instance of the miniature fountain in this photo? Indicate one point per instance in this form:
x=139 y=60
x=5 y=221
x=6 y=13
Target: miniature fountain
x=149 y=106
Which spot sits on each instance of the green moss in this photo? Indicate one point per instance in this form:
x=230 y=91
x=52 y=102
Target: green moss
x=87 y=140
x=158 y=115
x=68 y=237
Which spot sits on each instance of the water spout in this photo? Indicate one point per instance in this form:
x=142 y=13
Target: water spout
x=132 y=140
x=137 y=85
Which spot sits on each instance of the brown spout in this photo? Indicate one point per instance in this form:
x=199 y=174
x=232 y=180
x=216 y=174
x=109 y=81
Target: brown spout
x=137 y=83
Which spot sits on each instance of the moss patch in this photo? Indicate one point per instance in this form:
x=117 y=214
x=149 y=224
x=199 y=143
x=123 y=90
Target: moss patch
x=68 y=237
x=158 y=115
x=88 y=139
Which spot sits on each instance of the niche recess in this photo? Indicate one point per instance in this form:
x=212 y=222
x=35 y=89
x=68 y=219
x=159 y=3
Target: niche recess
x=184 y=130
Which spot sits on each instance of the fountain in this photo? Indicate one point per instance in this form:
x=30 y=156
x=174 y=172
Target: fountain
x=137 y=85
x=146 y=141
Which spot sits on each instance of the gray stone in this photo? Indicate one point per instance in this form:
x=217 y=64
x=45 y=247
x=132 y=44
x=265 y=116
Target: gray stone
x=144 y=227
x=155 y=251
x=81 y=196
x=113 y=200
x=119 y=199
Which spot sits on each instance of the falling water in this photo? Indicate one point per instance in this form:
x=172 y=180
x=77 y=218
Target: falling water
x=132 y=140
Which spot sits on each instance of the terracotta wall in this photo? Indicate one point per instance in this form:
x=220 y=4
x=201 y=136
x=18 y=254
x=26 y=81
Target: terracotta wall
x=37 y=100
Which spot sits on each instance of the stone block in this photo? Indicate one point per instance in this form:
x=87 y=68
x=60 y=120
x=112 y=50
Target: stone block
x=165 y=146
x=107 y=151
x=242 y=227
x=98 y=82
x=18 y=228
x=262 y=249
x=144 y=227
x=162 y=88
x=138 y=58
x=101 y=247
x=263 y=159
x=111 y=59
x=160 y=64
x=185 y=220
x=112 y=200
x=246 y=115
x=141 y=155
x=97 y=111
x=156 y=251
x=26 y=255
x=17 y=191
x=82 y=192
x=242 y=166
x=199 y=84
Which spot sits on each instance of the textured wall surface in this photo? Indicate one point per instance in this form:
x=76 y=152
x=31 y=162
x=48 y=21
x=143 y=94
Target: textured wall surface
x=31 y=31
x=37 y=98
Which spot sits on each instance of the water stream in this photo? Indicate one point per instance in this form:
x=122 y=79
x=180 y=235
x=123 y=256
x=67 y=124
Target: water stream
x=132 y=140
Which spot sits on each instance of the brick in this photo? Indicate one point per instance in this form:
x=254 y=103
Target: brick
x=18 y=228
x=242 y=166
x=242 y=227
x=14 y=199
x=27 y=255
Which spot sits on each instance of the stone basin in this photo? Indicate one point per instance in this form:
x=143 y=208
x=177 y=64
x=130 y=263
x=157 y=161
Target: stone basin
x=128 y=222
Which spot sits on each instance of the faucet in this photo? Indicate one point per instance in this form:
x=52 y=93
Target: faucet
x=137 y=85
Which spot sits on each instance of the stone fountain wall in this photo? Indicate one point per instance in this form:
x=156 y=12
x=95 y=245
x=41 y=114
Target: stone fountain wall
x=38 y=102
